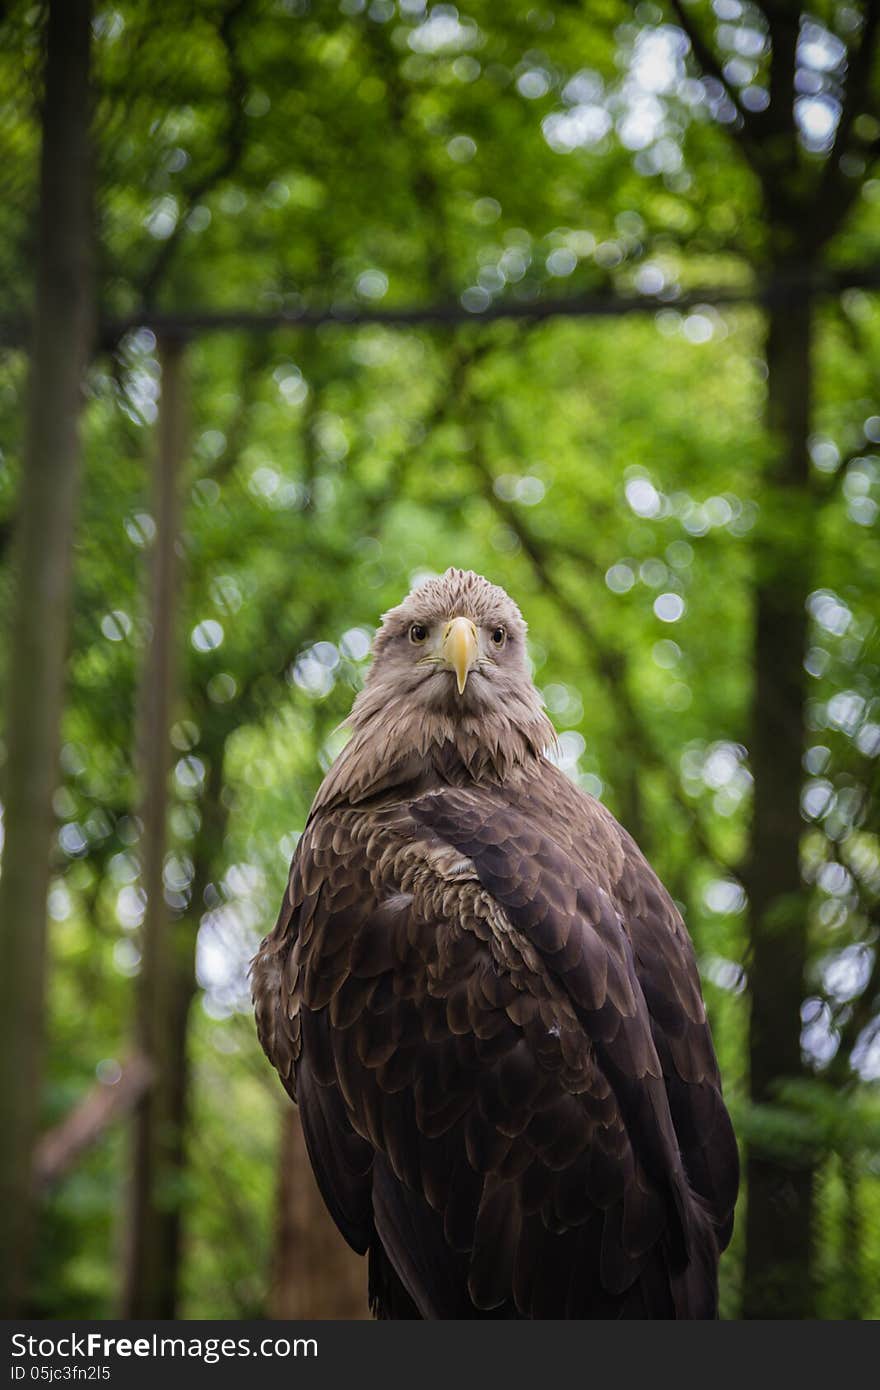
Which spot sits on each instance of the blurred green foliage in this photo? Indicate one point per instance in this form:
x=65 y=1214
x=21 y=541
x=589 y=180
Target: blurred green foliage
x=287 y=155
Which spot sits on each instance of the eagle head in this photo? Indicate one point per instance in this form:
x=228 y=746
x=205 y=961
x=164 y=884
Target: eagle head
x=457 y=644
x=449 y=674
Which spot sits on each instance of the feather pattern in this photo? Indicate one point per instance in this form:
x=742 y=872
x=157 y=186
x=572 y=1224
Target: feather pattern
x=489 y=1011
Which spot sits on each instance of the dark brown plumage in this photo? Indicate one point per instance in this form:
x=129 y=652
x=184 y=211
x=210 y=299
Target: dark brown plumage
x=488 y=1008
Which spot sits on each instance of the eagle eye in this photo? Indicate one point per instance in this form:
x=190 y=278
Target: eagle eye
x=418 y=634
x=499 y=637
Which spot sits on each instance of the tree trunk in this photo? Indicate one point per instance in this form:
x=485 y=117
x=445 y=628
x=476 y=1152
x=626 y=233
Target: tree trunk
x=150 y=1257
x=183 y=935
x=779 y=1215
x=63 y=325
x=314 y=1273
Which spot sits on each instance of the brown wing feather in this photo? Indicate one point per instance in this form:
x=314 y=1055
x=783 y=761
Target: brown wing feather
x=669 y=979
x=473 y=1021
x=667 y=975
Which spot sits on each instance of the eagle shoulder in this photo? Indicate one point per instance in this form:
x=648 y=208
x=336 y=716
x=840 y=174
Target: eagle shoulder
x=457 y=1000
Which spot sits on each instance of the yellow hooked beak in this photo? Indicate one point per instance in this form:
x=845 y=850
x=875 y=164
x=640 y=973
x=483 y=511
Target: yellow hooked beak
x=460 y=649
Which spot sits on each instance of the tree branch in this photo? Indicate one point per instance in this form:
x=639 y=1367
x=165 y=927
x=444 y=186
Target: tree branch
x=796 y=283
x=836 y=192
x=859 y=66
x=233 y=142
x=609 y=663
x=60 y=1148
x=708 y=61
x=189 y=323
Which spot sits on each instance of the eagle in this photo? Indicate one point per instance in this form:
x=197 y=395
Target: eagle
x=487 y=1007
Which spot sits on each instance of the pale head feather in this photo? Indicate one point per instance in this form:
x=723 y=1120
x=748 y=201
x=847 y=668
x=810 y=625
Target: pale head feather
x=409 y=719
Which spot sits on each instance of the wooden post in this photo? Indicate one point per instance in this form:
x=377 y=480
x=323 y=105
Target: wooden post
x=779 y=1214
x=63 y=326
x=147 y=1291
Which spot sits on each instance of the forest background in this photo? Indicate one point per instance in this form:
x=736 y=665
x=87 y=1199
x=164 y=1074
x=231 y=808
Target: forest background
x=301 y=302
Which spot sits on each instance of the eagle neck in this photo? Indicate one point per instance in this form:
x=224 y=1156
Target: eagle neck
x=396 y=748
